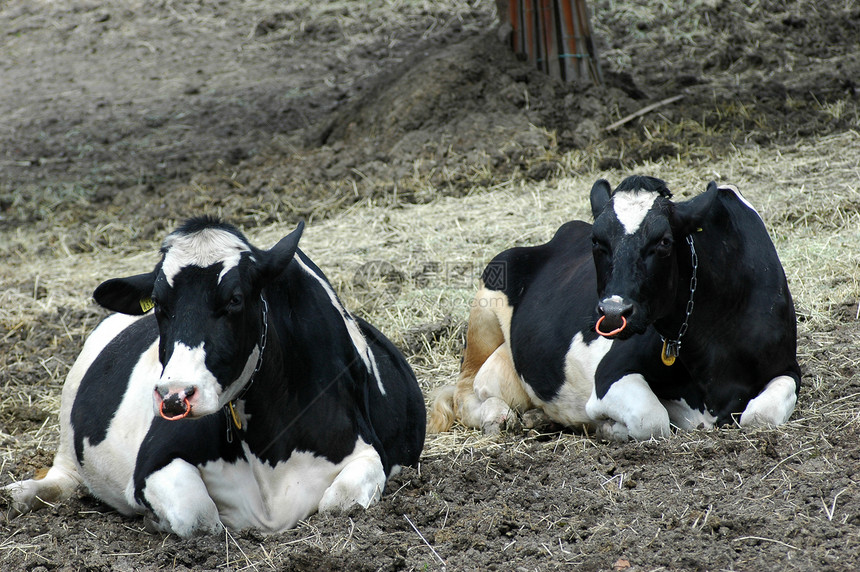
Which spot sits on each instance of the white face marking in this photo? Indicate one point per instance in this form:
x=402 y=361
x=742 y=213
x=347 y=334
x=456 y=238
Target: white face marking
x=355 y=334
x=187 y=367
x=631 y=207
x=203 y=249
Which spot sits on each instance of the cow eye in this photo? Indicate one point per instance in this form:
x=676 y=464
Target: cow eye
x=236 y=302
x=598 y=246
x=158 y=309
x=664 y=247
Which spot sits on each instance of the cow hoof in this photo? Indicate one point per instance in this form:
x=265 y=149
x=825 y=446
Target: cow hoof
x=611 y=431
x=509 y=423
x=491 y=428
x=337 y=509
x=496 y=416
x=539 y=421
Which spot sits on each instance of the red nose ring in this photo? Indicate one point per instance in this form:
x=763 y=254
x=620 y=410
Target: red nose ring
x=182 y=415
x=613 y=332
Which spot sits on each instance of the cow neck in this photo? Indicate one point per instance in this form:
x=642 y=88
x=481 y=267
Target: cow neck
x=229 y=409
x=672 y=346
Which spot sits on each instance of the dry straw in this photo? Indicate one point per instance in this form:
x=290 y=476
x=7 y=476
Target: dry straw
x=425 y=261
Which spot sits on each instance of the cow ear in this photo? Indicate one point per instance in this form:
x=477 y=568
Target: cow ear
x=689 y=216
x=600 y=194
x=132 y=295
x=282 y=253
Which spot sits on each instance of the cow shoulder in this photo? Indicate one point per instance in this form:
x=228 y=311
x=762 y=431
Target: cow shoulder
x=514 y=270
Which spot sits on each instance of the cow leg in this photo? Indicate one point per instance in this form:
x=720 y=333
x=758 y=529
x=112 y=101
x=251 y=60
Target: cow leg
x=498 y=392
x=685 y=417
x=773 y=406
x=180 y=501
x=629 y=409
x=360 y=482
x=488 y=389
x=57 y=484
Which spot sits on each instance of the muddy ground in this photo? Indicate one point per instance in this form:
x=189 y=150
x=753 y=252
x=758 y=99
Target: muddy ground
x=119 y=118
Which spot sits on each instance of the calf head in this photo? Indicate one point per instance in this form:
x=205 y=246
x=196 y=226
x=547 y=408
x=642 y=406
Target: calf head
x=206 y=293
x=638 y=237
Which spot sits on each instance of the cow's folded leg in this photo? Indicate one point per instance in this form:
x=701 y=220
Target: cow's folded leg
x=773 y=406
x=495 y=415
x=631 y=403
x=180 y=502
x=58 y=483
x=360 y=482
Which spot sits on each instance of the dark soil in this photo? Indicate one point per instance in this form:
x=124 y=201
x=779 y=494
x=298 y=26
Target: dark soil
x=130 y=116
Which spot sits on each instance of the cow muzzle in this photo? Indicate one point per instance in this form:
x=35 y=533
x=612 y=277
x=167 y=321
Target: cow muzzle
x=174 y=404
x=614 y=313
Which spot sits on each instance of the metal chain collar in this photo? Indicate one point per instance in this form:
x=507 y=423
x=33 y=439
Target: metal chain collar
x=673 y=347
x=229 y=410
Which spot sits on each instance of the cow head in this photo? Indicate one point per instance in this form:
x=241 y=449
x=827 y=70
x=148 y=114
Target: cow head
x=206 y=293
x=638 y=236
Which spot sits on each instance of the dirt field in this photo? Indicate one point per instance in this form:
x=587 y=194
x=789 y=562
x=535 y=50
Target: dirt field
x=418 y=147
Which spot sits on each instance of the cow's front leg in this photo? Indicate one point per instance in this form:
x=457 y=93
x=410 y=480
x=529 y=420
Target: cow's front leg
x=360 y=482
x=629 y=408
x=773 y=406
x=178 y=498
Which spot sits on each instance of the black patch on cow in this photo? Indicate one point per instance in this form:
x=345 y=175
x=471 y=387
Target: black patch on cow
x=399 y=426
x=206 y=222
x=105 y=383
x=641 y=355
x=195 y=441
x=552 y=290
x=741 y=288
x=495 y=275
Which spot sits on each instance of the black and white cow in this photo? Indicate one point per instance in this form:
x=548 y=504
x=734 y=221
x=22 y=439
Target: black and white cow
x=588 y=326
x=270 y=400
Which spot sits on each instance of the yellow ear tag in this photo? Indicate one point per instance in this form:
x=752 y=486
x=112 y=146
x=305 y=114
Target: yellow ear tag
x=146 y=305
x=235 y=417
x=667 y=359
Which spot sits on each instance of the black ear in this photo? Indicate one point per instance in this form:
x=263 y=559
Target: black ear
x=130 y=295
x=689 y=216
x=600 y=193
x=277 y=257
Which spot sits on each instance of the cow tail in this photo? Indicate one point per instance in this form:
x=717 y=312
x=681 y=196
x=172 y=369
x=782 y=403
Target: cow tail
x=442 y=411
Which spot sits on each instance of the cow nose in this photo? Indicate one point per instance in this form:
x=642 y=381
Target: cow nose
x=613 y=314
x=173 y=405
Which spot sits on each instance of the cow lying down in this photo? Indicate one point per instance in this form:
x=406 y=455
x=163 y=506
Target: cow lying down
x=270 y=400
x=659 y=314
